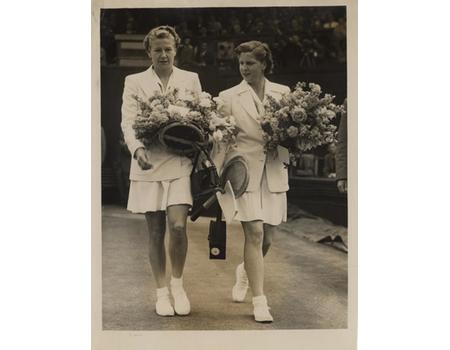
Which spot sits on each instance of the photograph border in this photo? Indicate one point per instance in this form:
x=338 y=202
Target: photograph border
x=323 y=339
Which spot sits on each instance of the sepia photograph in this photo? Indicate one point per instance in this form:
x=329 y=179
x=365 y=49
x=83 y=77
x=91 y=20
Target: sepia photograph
x=224 y=203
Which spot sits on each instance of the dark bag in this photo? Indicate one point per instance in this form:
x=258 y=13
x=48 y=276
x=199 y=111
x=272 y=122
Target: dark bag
x=204 y=177
x=217 y=237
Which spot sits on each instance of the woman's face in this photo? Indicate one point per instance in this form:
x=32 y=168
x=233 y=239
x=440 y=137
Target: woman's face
x=251 y=69
x=162 y=53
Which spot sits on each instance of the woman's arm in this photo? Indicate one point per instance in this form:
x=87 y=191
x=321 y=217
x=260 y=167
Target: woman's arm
x=129 y=113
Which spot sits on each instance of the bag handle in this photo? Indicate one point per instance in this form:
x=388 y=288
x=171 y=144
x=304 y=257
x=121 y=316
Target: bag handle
x=201 y=150
x=219 y=214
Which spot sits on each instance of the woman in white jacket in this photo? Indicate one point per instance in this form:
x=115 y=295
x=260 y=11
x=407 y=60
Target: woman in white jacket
x=159 y=180
x=263 y=206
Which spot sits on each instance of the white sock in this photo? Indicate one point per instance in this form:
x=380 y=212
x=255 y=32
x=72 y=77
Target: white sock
x=176 y=282
x=162 y=292
x=260 y=299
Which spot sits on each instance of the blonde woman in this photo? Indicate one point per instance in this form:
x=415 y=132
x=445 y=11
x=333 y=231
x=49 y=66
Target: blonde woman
x=159 y=180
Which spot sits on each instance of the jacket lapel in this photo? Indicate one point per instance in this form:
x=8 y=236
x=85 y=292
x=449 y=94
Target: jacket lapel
x=150 y=83
x=246 y=100
x=271 y=90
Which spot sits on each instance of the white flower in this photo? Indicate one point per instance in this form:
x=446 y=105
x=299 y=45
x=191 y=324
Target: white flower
x=298 y=114
x=330 y=114
x=220 y=104
x=155 y=102
x=217 y=135
x=193 y=115
x=205 y=95
x=292 y=131
x=159 y=107
x=274 y=123
x=205 y=102
x=315 y=88
x=183 y=111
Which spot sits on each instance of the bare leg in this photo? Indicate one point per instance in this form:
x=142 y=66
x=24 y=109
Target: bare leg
x=268 y=237
x=253 y=257
x=156 y=223
x=178 y=244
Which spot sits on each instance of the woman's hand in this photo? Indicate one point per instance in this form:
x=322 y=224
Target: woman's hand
x=143 y=159
x=342 y=186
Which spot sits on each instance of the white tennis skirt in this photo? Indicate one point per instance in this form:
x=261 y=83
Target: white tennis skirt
x=148 y=196
x=270 y=207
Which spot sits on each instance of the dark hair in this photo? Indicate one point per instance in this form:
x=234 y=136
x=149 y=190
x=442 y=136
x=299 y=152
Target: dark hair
x=161 y=32
x=260 y=50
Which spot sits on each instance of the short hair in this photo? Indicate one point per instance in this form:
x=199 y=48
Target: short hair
x=161 y=32
x=260 y=50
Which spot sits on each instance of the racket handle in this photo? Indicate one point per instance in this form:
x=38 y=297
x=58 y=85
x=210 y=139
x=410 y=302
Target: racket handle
x=205 y=205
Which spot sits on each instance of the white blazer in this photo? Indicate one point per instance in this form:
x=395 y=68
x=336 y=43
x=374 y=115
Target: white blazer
x=238 y=102
x=166 y=165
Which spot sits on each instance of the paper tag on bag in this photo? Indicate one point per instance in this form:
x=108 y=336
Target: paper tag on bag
x=227 y=202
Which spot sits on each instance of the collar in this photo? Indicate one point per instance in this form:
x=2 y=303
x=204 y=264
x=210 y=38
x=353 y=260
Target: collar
x=244 y=87
x=156 y=78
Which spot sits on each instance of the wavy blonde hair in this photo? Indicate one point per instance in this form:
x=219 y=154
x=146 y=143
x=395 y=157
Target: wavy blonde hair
x=161 y=32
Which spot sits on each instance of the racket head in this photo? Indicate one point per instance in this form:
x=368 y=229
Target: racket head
x=178 y=137
x=236 y=171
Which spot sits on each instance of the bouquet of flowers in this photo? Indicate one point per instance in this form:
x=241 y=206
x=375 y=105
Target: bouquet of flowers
x=200 y=111
x=204 y=111
x=301 y=120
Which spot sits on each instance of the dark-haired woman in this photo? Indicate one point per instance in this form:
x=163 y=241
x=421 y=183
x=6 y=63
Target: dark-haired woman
x=263 y=206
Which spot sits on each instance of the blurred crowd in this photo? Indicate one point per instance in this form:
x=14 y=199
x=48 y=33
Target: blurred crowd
x=300 y=37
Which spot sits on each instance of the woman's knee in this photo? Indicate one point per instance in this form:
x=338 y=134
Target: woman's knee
x=177 y=227
x=177 y=218
x=254 y=234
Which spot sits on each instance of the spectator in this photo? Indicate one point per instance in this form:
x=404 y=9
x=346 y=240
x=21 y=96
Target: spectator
x=339 y=39
x=214 y=26
x=131 y=25
x=183 y=30
x=330 y=22
x=329 y=166
x=311 y=52
x=236 y=29
x=316 y=23
x=278 y=55
x=274 y=27
x=258 y=27
x=202 y=32
x=185 y=54
x=341 y=153
x=293 y=51
x=203 y=55
x=295 y=26
x=248 y=22
x=198 y=23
